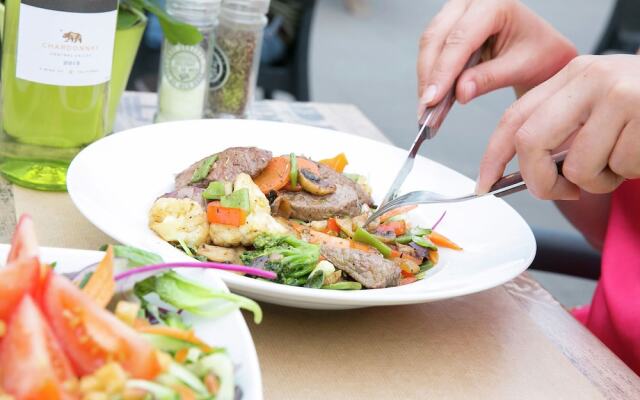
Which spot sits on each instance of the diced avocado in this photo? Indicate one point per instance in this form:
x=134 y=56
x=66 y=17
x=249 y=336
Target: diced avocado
x=237 y=199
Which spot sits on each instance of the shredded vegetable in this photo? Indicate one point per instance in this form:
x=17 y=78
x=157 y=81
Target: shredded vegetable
x=203 y=265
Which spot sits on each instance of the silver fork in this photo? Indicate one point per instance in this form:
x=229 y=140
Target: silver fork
x=506 y=185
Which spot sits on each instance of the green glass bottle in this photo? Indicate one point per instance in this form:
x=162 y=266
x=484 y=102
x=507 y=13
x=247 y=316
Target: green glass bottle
x=56 y=67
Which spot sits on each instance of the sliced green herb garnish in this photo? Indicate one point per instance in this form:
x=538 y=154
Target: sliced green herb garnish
x=203 y=169
x=424 y=242
x=237 y=199
x=215 y=191
x=293 y=174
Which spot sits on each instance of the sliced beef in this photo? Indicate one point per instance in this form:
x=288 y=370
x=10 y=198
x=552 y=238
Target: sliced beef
x=230 y=163
x=346 y=201
x=370 y=269
x=188 y=192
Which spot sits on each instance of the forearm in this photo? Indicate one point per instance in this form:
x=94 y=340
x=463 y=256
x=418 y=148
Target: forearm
x=590 y=215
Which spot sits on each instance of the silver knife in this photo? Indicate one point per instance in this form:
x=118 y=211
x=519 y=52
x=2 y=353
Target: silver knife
x=428 y=124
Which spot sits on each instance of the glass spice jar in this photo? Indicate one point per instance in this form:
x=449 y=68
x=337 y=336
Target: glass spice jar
x=236 y=57
x=183 y=83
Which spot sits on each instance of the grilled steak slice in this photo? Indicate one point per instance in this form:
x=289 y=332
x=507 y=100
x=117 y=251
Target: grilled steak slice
x=230 y=163
x=346 y=201
x=189 y=192
x=370 y=269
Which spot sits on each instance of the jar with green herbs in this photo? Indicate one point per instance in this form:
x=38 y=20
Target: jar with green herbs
x=236 y=57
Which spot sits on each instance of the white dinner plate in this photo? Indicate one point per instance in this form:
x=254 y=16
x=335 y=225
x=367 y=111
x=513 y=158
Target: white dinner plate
x=229 y=331
x=114 y=182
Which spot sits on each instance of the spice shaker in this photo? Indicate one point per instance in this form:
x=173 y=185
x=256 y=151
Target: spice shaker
x=236 y=57
x=183 y=82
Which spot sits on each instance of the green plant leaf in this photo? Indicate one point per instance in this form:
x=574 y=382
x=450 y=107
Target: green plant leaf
x=174 y=30
x=126 y=18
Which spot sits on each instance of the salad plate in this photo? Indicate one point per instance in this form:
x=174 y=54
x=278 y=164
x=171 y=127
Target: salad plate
x=229 y=331
x=115 y=181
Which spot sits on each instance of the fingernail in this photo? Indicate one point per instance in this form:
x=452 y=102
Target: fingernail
x=429 y=94
x=469 y=90
x=478 y=190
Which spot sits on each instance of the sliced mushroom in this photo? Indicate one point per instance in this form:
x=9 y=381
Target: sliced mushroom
x=313 y=184
x=221 y=254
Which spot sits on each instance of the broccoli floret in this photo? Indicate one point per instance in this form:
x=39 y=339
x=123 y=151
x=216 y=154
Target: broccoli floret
x=291 y=258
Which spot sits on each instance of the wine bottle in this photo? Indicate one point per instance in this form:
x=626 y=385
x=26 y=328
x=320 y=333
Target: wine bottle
x=56 y=67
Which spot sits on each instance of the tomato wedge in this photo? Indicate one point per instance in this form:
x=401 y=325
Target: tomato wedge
x=92 y=336
x=32 y=364
x=23 y=243
x=17 y=279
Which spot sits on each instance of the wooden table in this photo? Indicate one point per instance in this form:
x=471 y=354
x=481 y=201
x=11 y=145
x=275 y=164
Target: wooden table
x=513 y=341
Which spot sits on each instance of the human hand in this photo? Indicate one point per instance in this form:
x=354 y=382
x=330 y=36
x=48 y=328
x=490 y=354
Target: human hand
x=592 y=107
x=524 y=50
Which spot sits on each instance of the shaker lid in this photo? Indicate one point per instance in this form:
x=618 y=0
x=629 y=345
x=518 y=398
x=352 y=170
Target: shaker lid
x=258 y=6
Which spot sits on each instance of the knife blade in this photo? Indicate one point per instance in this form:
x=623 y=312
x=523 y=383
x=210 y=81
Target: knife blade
x=428 y=126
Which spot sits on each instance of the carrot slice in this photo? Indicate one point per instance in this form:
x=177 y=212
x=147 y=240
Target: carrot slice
x=303 y=163
x=442 y=241
x=275 y=176
x=336 y=163
x=181 y=355
x=217 y=214
x=433 y=257
x=396 y=212
x=185 y=335
x=407 y=280
x=332 y=227
x=101 y=285
x=397 y=227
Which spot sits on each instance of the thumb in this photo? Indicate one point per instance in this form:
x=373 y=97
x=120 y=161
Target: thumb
x=488 y=76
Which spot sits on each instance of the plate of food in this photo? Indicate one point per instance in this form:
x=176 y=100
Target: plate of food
x=292 y=200
x=87 y=333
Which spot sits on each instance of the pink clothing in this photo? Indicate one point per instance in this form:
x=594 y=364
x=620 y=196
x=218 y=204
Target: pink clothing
x=614 y=314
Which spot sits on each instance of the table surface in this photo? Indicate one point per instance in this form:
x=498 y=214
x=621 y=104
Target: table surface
x=514 y=341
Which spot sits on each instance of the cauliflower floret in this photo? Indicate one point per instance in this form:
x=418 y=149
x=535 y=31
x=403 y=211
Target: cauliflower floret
x=258 y=221
x=179 y=219
x=257 y=199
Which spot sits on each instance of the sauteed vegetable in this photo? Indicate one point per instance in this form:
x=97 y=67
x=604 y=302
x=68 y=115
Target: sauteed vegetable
x=299 y=218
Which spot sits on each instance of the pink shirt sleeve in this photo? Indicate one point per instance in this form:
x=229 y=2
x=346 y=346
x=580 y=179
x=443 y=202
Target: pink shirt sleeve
x=614 y=314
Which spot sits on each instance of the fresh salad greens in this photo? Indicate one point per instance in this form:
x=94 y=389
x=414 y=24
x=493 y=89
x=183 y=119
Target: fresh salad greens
x=188 y=295
x=135 y=257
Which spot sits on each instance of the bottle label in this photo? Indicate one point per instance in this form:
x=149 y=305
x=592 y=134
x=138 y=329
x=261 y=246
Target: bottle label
x=219 y=69
x=66 y=42
x=184 y=66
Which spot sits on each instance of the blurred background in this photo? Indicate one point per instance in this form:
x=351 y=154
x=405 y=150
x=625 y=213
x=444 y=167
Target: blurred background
x=364 y=52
